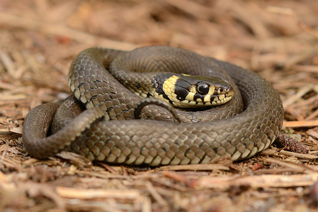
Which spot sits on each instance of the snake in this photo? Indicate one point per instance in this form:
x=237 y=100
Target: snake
x=234 y=112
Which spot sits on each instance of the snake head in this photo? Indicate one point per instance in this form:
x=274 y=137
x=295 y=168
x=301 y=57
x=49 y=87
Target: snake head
x=187 y=91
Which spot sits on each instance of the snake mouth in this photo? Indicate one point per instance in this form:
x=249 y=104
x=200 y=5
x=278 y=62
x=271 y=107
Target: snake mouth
x=218 y=97
x=222 y=98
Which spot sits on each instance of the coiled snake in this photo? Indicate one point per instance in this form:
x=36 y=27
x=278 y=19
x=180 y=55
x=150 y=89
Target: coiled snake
x=92 y=122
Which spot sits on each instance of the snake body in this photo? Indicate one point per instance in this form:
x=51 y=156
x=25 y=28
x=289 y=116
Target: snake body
x=99 y=124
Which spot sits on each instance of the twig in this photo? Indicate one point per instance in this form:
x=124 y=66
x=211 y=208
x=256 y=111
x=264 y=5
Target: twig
x=155 y=194
x=298 y=155
x=296 y=167
x=311 y=116
x=298 y=95
x=262 y=181
x=96 y=193
x=4 y=152
x=26 y=23
x=307 y=68
x=293 y=124
x=288 y=11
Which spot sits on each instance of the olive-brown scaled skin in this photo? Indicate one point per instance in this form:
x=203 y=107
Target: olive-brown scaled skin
x=230 y=129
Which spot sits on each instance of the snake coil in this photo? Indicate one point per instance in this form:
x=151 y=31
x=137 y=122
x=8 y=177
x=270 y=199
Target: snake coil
x=246 y=125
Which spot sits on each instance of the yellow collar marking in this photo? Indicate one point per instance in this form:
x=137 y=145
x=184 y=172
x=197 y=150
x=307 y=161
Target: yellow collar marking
x=169 y=88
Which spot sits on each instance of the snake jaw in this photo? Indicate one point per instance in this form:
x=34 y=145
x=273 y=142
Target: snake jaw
x=221 y=95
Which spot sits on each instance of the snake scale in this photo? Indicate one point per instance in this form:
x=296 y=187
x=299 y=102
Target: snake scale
x=98 y=120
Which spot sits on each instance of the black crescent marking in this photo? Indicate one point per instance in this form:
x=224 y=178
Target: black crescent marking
x=182 y=89
x=157 y=83
x=181 y=93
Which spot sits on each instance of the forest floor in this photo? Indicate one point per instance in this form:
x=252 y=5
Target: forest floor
x=278 y=39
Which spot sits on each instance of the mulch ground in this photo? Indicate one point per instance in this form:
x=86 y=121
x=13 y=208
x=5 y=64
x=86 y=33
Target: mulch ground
x=278 y=39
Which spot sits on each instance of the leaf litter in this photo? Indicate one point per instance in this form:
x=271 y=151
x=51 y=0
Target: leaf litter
x=276 y=39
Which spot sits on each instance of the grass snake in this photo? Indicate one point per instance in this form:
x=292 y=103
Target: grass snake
x=97 y=121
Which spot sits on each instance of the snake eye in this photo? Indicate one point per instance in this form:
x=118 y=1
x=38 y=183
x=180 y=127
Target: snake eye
x=220 y=90
x=203 y=88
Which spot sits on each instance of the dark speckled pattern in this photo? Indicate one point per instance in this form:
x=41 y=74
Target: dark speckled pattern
x=147 y=142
